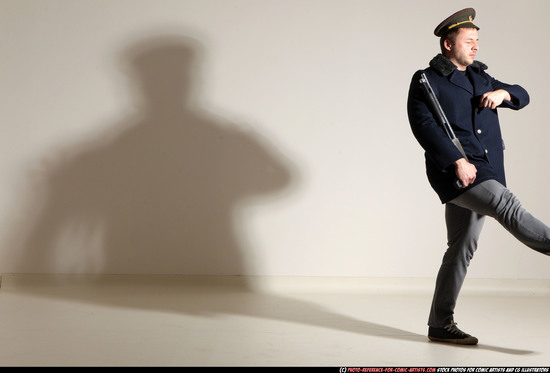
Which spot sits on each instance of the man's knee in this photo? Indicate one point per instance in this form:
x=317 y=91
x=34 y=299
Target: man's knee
x=508 y=209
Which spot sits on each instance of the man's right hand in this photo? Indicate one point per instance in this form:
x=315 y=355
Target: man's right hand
x=465 y=171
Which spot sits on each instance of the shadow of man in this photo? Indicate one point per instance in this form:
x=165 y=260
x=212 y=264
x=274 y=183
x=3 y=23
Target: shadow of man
x=160 y=191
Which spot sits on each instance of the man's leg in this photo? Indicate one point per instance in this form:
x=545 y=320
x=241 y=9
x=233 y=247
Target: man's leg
x=463 y=229
x=493 y=199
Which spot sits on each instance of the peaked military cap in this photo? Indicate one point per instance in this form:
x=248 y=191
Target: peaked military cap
x=462 y=18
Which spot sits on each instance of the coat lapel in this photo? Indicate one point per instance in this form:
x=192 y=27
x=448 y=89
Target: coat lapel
x=460 y=80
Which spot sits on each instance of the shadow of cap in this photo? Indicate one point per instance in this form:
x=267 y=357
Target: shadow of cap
x=162 y=53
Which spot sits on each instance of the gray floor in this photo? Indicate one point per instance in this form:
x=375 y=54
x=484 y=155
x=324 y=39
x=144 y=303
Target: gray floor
x=201 y=321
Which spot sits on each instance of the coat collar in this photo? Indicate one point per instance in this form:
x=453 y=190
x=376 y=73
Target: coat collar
x=445 y=67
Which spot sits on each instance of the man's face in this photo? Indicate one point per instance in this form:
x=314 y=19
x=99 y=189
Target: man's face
x=463 y=51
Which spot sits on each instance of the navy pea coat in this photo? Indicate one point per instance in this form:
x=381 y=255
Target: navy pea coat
x=478 y=129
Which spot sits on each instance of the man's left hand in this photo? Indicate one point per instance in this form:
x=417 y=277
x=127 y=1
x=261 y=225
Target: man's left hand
x=493 y=99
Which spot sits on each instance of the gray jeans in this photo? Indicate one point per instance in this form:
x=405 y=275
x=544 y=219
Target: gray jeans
x=464 y=217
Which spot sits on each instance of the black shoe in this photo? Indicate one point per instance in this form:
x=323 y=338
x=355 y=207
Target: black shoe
x=451 y=334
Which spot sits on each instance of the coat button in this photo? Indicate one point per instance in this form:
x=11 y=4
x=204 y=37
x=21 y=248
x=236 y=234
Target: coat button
x=486 y=151
x=479 y=131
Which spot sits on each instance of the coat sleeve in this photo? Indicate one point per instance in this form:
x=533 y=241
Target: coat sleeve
x=520 y=97
x=431 y=135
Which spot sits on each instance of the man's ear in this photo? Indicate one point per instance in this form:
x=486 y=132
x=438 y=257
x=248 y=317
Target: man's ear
x=447 y=44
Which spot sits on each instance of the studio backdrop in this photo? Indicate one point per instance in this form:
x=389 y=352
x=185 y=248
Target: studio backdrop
x=246 y=137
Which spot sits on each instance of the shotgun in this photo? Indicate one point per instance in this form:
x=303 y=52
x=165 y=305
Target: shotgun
x=441 y=118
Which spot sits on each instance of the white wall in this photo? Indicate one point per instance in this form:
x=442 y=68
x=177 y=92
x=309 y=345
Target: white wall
x=292 y=154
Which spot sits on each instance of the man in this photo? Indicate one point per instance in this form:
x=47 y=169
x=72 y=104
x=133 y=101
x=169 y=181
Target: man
x=470 y=98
